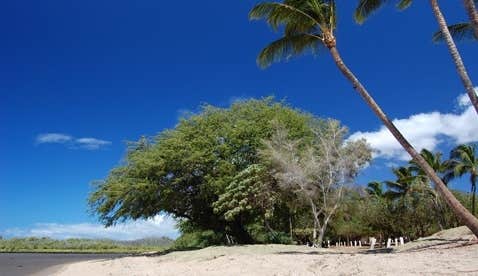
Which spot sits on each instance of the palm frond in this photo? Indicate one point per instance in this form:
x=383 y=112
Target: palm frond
x=460 y=31
x=365 y=8
x=333 y=17
x=375 y=188
x=404 y=4
x=277 y=14
x=392 y=195
x=287 y=47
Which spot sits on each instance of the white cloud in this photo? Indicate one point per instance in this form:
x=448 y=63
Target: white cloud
x=464 y=100
x=88 y=143
x=91 y=143
x=157 y=226
x=57 y=138
x=425 y=130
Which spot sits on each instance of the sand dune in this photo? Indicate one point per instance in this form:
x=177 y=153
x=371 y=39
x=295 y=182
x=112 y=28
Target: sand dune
x=447 y=253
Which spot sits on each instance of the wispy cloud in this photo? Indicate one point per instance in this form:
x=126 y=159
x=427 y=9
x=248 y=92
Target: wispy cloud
x=425 y=130
x=88 y=143
x=160 y=225
x=91 y=143
x=56 y=138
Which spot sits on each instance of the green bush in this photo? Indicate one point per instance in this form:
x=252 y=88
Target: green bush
x=198 y=239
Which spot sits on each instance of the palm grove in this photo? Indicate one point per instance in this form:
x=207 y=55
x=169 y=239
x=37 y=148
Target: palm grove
x=261 y=171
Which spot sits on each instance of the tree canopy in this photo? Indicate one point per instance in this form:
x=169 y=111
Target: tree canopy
x=206 y=171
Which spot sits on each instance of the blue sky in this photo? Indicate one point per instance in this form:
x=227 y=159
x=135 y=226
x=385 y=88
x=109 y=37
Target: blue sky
x=79 y=79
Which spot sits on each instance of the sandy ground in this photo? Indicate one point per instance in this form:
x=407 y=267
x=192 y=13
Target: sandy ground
x=450 y=253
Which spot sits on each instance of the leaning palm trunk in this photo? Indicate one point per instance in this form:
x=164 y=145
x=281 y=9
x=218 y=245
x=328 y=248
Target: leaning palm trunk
x=472 y=14
x=460 y=66
x=308 y=23
x=473 y=193
x=459 y=210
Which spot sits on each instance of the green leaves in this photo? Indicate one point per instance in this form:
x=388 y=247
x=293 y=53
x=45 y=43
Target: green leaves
x=464 y=160
x=366 y=7
x=287 y=47
x=404 y=4
x=250 y=191
x=277 y=14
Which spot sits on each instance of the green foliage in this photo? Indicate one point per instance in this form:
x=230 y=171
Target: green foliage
x=366 y=7
x=464 y=160
x=414 y=215
x=409 y=206
x=459 y=31
x=32 y=244
x=207 y=170
x=198 y=239
x=250 y=191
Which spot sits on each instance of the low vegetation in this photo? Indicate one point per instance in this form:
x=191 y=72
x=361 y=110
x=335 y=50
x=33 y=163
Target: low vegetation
x=43 y=245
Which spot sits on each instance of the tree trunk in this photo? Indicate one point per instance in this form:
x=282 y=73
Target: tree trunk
x=320 y=239
x=460 y=66
x=314 y=234
x=472 y=14
x=290 y=228
x=458 y=209
x=473 y=194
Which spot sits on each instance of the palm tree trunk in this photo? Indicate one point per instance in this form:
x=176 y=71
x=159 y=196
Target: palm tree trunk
x=460 y=66
x=473 y=193
x=459 y=210
x=473 y=14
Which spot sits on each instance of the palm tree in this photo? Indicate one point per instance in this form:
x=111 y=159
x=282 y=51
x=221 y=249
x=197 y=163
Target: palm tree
x=442 y=168
x=463 y=160
x=366 y=7
x=435 y=161
x=310 y=25
x=403 y=185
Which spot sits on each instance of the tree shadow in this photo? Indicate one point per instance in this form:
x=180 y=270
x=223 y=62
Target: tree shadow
x=167 y=251
x=364 y=251
x=441 y=243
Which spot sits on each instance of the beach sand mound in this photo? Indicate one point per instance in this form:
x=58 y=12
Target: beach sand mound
x=455 y=237
x=449 y=252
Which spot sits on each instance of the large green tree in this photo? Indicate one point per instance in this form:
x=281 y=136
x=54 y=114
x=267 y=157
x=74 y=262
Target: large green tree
x=309 y=25
x=207 y=172
x=366 y=7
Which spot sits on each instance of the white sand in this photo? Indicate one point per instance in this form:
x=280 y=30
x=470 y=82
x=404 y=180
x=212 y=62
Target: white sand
x=437 y=255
